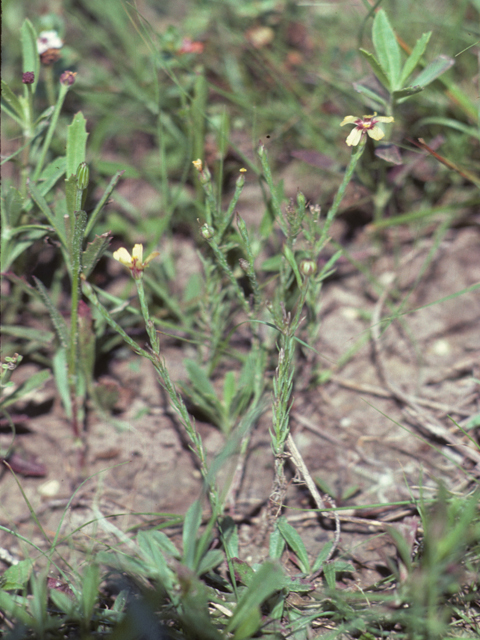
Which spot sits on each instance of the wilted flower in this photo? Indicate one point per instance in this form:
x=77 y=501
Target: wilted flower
x=364 y=126
x=48 y=47
x=134 y=262
x=198 y=164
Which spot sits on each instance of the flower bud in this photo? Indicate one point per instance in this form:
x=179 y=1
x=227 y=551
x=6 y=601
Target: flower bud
x=83 y=176
x=68 y=78
x=28 y=77
x=308 y=267
x=207 y=232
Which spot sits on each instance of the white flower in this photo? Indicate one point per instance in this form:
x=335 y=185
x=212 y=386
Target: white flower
x=48 y=40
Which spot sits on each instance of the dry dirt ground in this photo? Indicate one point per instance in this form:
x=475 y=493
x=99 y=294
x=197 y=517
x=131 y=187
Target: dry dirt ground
x=378 y=429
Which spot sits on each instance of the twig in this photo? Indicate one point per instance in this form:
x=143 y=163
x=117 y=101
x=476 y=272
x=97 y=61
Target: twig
x=320 y=501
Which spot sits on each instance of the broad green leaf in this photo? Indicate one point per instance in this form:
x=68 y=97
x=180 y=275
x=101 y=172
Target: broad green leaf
x=295 y=542
x=210 y=561
x=249 y=626
x=276 y=544
x=11 y=99
x=16 y=612
x=34 y=382
x=51 y=174
x=435 y=69
x=268 y=579
x=376 y=68
x=387 y=49
x=329 y=573
x=191 y=525
x=17 y=576
x=94 y=252
x=76 y=143
x=12 y=208
x=31 y=59
x=90 y=590
x=243 y=571
x=229 y=536
x=414 y=58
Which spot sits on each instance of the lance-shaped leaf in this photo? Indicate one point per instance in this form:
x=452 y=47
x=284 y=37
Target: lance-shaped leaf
x=76 y=143
x=435 y=69
x=94 y=252
x=34 y=382
x=31 y=60
x=96 y=212
x=47 y=212
x=387 y=49
x=11 y=99
x=376 y=68
x=403 y=94
x=58 y=321
x=414 y=58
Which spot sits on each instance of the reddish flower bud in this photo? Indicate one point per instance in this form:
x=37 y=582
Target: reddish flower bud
x=68 y=78
x=28 y=77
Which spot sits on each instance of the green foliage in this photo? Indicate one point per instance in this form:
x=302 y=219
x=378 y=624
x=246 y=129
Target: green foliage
x=158 y=98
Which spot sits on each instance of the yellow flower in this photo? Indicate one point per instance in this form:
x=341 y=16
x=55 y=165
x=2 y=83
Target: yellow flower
x=134 y=262
x=198 y=164
x=364 y=126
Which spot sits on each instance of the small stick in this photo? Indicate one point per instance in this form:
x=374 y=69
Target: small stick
x=320 y=501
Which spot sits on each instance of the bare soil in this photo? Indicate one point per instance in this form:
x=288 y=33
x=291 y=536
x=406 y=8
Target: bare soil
x=379 y=429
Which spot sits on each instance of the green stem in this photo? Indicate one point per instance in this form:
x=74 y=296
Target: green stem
x=53 y=123
x=356 y=155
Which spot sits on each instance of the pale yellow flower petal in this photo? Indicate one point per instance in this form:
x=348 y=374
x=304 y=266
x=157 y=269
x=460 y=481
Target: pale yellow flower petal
x=153 y=255
x=137 y=253
x=384 y=119
x=197 y=164
x=354 y=137
x=123 y=256
x=348 y=120
x=376 y=133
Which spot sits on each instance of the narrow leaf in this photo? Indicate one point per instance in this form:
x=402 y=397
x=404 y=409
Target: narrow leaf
x=295 y=542
x=376 y=68
x=90 y=592
x=435 y=69
x=293 y=263
x=34 y=382
x=60 y=373
x=47 y=212
x=414 y=58
x=76 y=143
x=11 y=99
x=191 y=524
x=387 y=49
x=96 y=212
x=264 y=583
x=406 y=92
x=373 y=96
x=58 y=321
x=31 y=59
x=94 y=252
